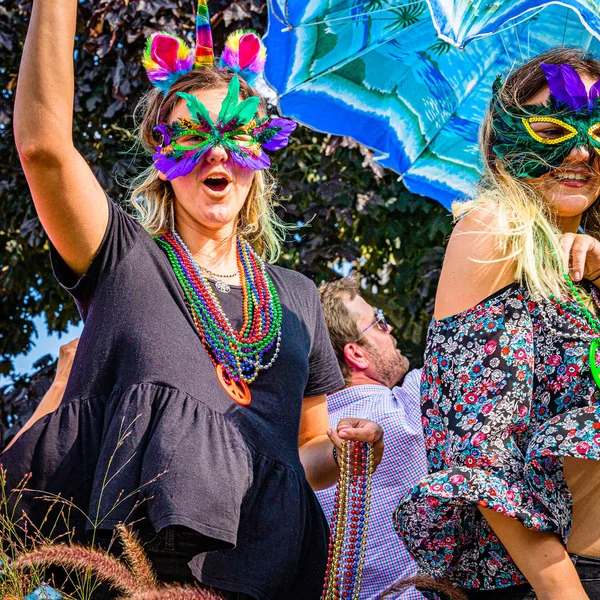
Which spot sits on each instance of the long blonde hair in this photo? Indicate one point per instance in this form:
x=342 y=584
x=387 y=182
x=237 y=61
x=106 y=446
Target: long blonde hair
x=153 y=199
x=525 y=226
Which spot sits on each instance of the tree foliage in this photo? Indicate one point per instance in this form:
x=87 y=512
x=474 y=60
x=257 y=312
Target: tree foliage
x=351 y=211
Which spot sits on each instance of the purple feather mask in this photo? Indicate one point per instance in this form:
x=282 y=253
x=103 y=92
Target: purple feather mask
x=533 y=140
x=239 y=130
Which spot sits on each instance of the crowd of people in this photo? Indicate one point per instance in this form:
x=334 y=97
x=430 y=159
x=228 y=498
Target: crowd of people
x=218 y=390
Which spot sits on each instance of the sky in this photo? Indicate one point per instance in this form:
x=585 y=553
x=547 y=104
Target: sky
x=43 y=344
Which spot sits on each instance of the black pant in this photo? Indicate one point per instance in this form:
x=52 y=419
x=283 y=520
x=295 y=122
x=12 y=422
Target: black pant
x=169 y=551
x=588 y=569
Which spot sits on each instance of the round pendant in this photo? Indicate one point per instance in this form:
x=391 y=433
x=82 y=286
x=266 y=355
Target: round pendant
x=238 y=391
x=222 y=286
x=594 y=368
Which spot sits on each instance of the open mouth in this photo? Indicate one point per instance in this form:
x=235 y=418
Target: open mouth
x=217 y=184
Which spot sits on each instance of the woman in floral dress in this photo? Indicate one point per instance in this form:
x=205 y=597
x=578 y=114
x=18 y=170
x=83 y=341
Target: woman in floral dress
x=510 y=405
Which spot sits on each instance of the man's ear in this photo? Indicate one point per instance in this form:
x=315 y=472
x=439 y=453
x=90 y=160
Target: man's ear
x=356 y=357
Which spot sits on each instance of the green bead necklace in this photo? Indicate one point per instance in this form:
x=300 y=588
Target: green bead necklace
x=591 y=325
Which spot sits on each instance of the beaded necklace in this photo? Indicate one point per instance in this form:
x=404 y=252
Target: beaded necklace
x=349 y=523
x=236 y=355
x=584 y=319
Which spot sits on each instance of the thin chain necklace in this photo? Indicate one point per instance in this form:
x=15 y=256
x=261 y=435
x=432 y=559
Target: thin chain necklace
x=237 y=355
x=209 y=272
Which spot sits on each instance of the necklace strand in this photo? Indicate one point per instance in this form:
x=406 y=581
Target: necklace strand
x=240 y=353
x=209 y=272
x=349 y=523
x=584 y=319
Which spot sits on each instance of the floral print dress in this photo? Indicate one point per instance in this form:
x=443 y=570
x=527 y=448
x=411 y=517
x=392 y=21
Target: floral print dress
x=507 y=393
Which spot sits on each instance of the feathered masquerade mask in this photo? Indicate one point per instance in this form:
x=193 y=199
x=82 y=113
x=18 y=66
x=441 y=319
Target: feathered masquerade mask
x=239 y=129
x=533 y=140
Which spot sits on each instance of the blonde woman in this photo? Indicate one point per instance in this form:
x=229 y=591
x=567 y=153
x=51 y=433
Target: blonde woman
x=196 y=406
x=510 y=405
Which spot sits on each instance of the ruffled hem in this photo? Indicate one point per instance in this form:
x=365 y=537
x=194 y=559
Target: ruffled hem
x=146 y=451
x=445 y=532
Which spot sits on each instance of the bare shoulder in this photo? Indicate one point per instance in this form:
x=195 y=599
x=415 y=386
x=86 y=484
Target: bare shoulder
x=475 y=265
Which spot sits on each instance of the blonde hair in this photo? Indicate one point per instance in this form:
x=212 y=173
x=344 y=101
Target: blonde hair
x=153 y=199
x=524 y=224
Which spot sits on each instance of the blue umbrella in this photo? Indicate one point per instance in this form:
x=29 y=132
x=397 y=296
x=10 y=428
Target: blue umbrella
x=460 y=21
x=378 y=72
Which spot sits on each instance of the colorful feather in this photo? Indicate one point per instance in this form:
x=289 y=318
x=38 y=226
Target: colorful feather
x=244 y=54
x=205 y=56
x=275 y=133
x=166 y=58
x=197 y=110
x=233 y=113
x=566 y=85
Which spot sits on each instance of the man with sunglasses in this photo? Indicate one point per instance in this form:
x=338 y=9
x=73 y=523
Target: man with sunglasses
x=379 y=387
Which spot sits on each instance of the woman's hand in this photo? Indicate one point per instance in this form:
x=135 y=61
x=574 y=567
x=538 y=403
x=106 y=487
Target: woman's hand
x=582 y=254
x=359 y=430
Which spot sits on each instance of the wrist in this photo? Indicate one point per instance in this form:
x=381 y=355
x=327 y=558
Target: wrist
x=594 y=277
x=336 y=457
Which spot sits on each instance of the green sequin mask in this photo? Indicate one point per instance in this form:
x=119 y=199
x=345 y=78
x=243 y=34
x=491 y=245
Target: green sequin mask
x=533 y=140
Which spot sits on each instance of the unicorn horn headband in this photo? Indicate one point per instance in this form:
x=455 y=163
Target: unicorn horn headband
x=239 y=128
x=167 y=57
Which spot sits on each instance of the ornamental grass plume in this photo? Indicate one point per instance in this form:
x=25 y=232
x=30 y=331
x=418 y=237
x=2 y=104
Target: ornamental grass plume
x=132 y=575
x=105 y=568
x=17 y=535
x=136 y=558
x=444 y=589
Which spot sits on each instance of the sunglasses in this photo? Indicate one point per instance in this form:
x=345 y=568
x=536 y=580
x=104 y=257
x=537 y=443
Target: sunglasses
x=379 y=321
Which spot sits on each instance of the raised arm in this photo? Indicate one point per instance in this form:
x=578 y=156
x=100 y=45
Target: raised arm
x=316 y=439
x=53 y=397
x=69 y=200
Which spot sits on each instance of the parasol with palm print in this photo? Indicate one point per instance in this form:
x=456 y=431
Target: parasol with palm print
x=379 y=72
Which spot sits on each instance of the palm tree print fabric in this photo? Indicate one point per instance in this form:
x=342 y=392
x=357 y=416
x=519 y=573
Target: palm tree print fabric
x=506 y=394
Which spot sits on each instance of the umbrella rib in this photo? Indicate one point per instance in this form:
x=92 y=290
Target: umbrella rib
x=565 y=27
x=483 y=75
x=507 y=27
x=274 y=13
x=460 y=103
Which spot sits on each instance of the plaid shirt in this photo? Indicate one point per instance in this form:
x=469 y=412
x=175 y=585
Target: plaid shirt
x=398 y=411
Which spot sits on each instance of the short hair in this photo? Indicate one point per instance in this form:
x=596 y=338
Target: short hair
x=341 y=324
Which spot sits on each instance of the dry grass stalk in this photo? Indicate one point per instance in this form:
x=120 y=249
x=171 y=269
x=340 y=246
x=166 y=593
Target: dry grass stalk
x=105 y=567
x=427 y=584
x=134 y=576
x=176 y=592
x=136 y=558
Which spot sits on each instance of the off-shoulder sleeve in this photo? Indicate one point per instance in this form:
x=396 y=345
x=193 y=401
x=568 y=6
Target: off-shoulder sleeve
x=477 y=394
